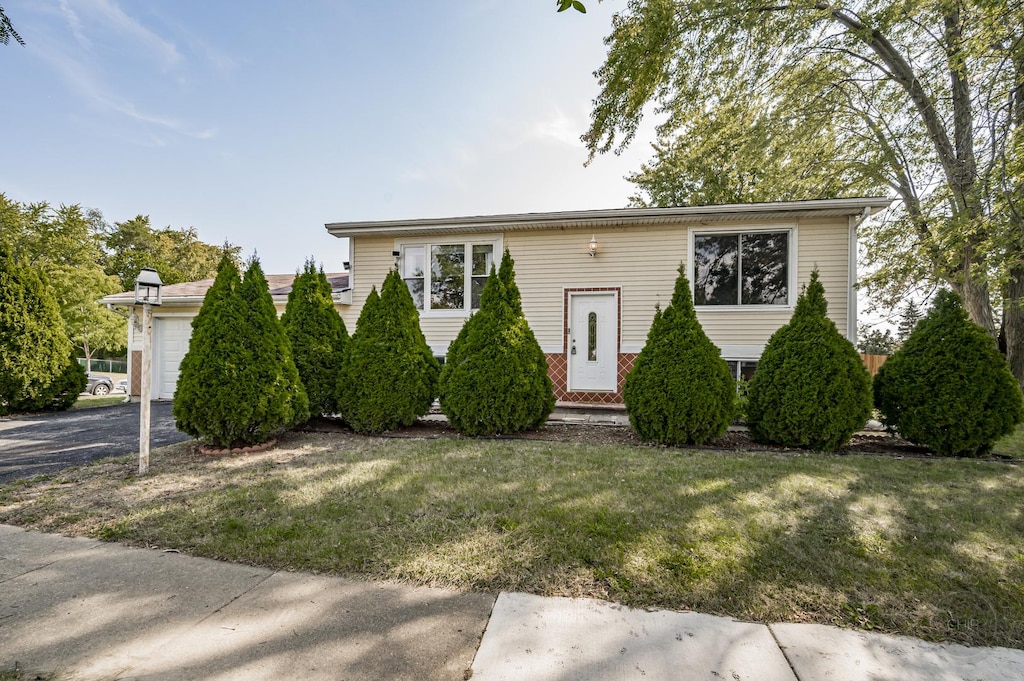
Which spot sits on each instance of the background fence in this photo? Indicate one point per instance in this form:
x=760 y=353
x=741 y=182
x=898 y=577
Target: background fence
x=874 y=362
x=107 y=366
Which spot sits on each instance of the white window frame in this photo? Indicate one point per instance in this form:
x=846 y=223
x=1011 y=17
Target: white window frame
x=746 y=229
x=467 y=243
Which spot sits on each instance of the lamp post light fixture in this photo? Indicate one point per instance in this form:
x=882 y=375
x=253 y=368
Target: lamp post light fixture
x=148 y=293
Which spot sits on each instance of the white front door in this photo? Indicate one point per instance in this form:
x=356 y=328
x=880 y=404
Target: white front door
x=171 y=336
x=593 y=341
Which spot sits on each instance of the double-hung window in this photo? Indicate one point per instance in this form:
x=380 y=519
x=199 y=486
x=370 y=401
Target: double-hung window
x=447 y=275
x=742 y=268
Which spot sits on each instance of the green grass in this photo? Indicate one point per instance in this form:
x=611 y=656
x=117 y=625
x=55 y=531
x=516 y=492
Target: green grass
x=924 y=547
x=90 y=401
x=1012 y=445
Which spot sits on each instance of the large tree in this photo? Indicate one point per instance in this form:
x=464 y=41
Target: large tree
x=176 y=254
x=807 y=99
x=33 y=347
x=64 y=244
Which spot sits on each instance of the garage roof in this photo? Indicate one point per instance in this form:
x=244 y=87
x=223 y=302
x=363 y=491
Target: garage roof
x=193 y=292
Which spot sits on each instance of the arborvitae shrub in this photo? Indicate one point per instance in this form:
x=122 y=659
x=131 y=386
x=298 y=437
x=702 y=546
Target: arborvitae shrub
x=33 y=345
x=64 y=391
x=948 y=387
x=495 y=377
x=389 y=376
x=811 y=388
x=680 y=390
x=318 y=337
x=238 y=384
x=61 y=393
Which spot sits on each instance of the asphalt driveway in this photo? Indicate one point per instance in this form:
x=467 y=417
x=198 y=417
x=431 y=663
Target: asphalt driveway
x=39 y=444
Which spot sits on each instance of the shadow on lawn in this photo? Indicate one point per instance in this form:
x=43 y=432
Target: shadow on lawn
x=923 y=548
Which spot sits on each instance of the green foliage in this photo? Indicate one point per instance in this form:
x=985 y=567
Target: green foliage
x=238 y=383
x=390 y=375
x=64 y=244
x=948 y=388
x=910 y=315
x=575 y=4
x=680 y=390
x=7 y=30
x=318 y=337
x=876 y=341
x=773 y=101
x=811 y=388
x=61 y=393
x=33 y=344
x=176 y=254
x=495 y=377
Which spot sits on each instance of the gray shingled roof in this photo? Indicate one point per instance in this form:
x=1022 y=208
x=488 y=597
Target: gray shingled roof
x=194 y=291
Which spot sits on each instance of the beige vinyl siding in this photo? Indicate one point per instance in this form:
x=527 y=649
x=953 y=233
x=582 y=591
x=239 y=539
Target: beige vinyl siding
x=641 y=262
x=371 y=260
x=821 y=243
x=826 y=244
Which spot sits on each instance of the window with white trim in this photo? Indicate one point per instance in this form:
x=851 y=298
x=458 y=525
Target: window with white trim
x=742 y=369
x=446 y=275
x=741 y=268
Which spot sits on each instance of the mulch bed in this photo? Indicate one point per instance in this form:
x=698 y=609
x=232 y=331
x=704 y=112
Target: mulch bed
x=879 y=444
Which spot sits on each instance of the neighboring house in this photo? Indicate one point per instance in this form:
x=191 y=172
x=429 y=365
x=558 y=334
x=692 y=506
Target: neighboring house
x=172 y=326
x=590 y=280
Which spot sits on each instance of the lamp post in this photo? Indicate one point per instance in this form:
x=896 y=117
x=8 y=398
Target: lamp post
x=147 y=293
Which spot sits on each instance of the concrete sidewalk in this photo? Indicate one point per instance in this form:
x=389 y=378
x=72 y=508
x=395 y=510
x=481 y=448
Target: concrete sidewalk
x=82 y=609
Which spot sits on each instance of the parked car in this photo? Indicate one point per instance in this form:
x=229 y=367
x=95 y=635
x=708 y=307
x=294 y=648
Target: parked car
x=122 y=386
x=99 y=385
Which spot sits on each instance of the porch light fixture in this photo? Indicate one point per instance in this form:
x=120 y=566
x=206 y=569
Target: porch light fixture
x=593 y=246
x=148 y=287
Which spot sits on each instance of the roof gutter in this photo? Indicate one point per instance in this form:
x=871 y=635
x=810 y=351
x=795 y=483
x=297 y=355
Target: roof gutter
x=615 y=217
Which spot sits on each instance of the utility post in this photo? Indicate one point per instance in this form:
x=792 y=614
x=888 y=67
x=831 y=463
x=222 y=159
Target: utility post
x=147 y=293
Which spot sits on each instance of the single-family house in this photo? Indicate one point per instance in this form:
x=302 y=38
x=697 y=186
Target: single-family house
x=172 y=326
x=591 y=280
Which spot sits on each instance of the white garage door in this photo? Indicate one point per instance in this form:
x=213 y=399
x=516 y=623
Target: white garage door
x=171 y=336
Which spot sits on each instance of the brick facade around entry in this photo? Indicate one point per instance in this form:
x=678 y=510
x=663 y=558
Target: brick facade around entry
x=558 y=370
x=558 y=364
x=135 y=389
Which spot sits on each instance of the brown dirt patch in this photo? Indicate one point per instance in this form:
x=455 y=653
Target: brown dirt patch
x=880 y=443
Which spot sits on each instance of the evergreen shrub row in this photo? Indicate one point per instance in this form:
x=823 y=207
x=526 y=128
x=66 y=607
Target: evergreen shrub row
x=495 y=376
x=238 y=384
x=34 y=346
x=318 y=338
x=389 y=376
x=948 y=387
x=680 y=390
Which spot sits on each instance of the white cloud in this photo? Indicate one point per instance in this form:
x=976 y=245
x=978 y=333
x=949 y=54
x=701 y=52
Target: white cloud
x=558 y=127
x=108 y=15
x=103 y=22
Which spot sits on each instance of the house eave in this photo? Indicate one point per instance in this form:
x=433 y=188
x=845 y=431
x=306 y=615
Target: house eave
x=615 y=217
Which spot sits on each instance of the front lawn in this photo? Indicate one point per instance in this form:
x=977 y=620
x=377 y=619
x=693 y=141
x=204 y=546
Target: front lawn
x=932 y=548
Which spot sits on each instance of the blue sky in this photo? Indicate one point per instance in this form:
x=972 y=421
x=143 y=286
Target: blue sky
x=258 y=122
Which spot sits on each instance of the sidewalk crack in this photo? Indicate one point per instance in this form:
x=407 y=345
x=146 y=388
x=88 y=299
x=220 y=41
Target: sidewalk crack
x=782 y=649
x=235 y=598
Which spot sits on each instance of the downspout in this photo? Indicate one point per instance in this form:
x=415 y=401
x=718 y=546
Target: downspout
x=851 y=294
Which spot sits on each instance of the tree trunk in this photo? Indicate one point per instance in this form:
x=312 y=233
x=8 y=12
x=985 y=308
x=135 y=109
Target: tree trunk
x=1013 y=321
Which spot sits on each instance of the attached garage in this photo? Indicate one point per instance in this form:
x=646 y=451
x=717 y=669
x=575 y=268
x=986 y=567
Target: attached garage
x=172 y=325
x=170 y=343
